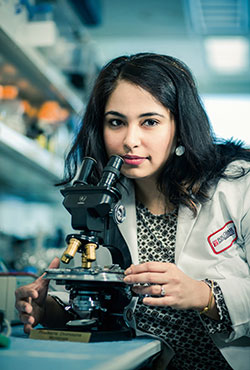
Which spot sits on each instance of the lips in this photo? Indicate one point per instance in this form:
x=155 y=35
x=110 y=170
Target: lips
x=133 y=157
x=133 y=160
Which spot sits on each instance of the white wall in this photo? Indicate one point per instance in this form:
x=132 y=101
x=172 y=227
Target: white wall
x=229 y=115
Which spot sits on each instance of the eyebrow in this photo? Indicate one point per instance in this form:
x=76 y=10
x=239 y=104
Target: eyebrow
x=148 y=114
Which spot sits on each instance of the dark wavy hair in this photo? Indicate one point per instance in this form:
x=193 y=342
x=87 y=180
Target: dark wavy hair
x=186 y=179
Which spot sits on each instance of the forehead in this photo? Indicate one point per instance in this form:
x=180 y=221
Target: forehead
x=127 y=94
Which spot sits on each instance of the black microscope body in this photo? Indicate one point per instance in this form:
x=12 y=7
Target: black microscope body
x=101 y=300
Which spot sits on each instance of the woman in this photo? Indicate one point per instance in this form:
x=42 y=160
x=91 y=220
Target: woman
x=187 y=224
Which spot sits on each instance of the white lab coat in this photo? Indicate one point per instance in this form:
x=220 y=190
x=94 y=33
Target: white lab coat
x=216 y=245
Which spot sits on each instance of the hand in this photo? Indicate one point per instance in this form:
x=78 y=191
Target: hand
x=169 y=286
x=31 y=299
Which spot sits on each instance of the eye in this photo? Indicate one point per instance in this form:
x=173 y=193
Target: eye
x=150 y=122
x=114 y=122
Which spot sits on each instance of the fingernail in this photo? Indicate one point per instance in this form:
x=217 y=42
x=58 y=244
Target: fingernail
x=128 y=271
x=127 y=279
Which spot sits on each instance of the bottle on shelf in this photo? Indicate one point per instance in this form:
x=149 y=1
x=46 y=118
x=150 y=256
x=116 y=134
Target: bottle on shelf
x=12 y=108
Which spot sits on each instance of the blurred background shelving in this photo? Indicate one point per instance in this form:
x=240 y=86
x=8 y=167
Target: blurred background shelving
x=26 y=169
x=40 y=109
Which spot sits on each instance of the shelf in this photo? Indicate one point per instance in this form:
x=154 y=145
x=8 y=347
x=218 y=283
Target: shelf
x=26 y=169
x=50 y=83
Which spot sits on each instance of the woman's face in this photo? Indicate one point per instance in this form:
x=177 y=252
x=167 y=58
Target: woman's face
x=138 y=128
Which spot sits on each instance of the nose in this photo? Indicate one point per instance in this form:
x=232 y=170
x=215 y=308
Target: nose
x=132 y=137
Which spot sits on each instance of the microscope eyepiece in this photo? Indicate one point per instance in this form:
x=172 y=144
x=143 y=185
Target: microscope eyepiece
x=111 y=171
x=85 y=170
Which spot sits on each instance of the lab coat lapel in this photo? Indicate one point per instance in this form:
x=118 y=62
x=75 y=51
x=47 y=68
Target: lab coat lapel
x=128 y=227
x=186 y=222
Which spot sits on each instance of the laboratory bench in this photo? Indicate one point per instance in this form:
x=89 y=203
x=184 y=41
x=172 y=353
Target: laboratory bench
x=26 y=353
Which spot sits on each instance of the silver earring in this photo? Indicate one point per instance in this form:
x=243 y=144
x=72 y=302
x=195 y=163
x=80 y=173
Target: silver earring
x=179 y=150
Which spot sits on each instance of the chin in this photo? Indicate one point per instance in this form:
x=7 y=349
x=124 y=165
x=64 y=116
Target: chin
x=135 y=176
x=131 y=175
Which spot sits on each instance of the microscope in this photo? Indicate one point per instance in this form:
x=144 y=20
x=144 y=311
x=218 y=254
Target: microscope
x=98 y=295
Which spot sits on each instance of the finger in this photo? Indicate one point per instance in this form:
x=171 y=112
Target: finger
x=148 y=277
x=24 y=307
x=27 y=328
x=53 y=265
x=159 y=301
x=26 y=319
x=148 y=266
x=25 y=292
x=150 y=290
x=129 y=270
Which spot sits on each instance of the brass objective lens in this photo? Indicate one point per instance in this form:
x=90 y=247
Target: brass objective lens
x=89 y=256
x=71 y=250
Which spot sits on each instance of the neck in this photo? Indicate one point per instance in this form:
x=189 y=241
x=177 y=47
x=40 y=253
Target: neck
x=148 y=194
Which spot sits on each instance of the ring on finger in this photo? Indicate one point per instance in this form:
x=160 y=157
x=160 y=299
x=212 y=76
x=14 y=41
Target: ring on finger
x=163 y=292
